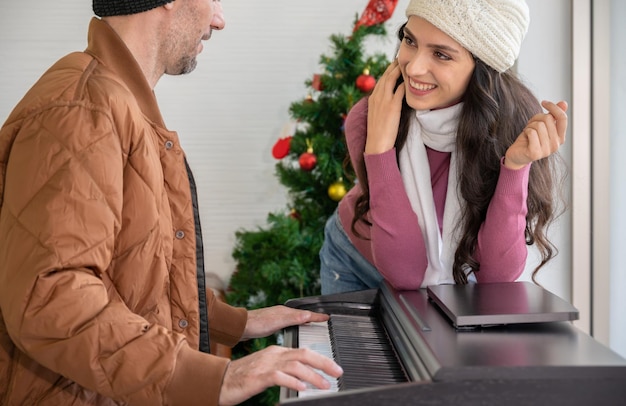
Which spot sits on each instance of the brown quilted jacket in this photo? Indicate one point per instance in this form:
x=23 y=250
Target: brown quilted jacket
x=99 y=300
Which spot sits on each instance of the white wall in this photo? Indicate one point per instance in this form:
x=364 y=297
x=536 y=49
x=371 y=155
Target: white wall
x=617 y=318
x=232 y=109
x=229 y=112
x=545 y=66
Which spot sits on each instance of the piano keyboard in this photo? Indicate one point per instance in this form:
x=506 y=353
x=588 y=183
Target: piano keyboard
x=359 y=344
x=380 y=335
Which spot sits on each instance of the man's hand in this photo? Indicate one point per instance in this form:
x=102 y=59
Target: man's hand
x=266 y=321
x=272 y=366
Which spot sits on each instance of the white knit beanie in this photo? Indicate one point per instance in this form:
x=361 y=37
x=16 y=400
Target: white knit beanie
x=492 y=30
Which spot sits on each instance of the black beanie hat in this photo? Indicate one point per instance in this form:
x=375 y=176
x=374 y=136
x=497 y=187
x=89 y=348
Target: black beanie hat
x=104 y=8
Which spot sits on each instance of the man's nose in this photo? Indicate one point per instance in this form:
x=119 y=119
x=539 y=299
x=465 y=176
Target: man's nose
x=218 y=22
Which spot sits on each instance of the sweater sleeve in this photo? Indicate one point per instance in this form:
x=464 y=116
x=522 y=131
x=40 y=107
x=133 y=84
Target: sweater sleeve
x=396 y=243
x=502 y=249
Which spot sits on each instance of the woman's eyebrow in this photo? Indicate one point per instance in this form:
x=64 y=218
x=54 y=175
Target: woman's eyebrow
x=434 y=46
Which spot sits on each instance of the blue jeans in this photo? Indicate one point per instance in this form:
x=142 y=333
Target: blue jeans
x=343 y=268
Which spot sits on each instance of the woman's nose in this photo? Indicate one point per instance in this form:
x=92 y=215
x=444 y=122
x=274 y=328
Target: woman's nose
x=417 y=64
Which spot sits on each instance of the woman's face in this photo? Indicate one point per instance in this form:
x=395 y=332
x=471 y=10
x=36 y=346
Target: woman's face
x=436 y=69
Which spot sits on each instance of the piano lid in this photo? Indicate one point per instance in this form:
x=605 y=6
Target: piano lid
x=487 y=304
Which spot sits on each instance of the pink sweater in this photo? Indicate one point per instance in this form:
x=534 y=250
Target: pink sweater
x=395 y=245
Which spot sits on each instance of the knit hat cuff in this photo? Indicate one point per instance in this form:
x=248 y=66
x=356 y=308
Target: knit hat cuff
x=106 y=8
x=492 y=30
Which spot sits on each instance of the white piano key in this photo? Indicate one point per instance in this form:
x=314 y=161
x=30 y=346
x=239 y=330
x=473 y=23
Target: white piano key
x=315 y=336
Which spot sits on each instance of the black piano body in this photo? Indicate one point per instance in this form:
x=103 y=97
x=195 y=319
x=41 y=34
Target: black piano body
x=513 y=364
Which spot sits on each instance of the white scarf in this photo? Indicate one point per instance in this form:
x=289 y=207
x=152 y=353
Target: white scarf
x=437 y=130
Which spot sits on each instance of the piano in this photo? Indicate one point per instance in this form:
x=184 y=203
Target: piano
x=400 y=347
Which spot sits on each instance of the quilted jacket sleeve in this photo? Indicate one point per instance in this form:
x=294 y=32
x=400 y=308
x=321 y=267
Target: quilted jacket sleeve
x=59 y=219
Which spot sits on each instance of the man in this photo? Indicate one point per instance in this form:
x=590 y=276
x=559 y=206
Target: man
x=102 y=297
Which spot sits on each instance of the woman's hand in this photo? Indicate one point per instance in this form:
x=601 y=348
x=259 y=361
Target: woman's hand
x=542 y=136
x=384 y=107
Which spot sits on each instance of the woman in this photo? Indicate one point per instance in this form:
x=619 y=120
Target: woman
x=454 y=165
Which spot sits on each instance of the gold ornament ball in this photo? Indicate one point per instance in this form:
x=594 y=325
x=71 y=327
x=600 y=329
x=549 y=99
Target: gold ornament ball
x=337 y=191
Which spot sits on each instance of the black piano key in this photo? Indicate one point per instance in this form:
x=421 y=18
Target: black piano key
x=362 y=348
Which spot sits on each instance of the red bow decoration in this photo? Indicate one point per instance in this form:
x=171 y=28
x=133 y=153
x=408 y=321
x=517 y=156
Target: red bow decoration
x=376 y=12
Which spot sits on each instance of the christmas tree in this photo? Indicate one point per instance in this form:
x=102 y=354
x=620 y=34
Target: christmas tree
x=281 y=260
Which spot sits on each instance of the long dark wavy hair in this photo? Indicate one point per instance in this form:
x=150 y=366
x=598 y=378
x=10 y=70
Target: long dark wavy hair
x=496 y=108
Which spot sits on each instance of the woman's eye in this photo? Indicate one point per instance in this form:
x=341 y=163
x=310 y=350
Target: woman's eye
x=442 y=56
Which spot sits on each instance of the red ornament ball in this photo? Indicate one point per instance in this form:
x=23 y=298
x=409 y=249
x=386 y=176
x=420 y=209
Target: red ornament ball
x=365 y=83
x=307 y=161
